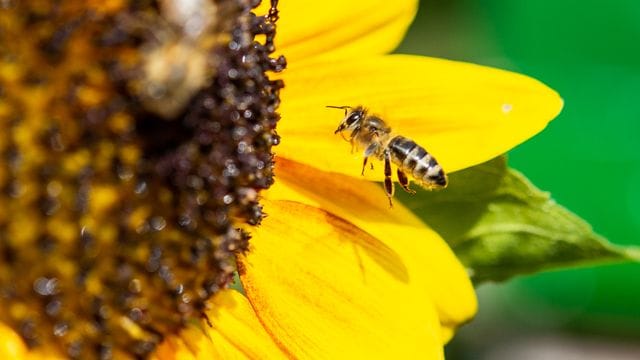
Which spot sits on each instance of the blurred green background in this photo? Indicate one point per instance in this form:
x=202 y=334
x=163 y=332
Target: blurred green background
x=588 y=158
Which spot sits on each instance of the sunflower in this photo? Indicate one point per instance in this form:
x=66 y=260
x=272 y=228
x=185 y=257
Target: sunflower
x=332 y=271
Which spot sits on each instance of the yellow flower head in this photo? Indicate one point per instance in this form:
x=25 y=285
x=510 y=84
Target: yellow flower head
x=136 y=137
x=137 y=143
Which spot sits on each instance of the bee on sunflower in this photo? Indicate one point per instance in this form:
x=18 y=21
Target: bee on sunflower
x=138 y=165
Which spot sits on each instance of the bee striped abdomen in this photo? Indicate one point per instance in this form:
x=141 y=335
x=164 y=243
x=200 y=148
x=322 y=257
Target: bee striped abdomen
x=413 y=159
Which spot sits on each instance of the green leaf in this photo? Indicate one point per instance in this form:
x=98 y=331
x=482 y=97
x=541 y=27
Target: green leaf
x=500 y=225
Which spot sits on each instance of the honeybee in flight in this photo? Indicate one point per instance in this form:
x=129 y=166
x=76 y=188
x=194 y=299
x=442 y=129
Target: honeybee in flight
x=371 y=133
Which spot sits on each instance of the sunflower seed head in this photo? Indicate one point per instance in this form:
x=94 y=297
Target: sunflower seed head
x=134 y=140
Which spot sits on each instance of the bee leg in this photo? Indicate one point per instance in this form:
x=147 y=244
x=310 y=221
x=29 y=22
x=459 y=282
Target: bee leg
x=364 y=164
x=352 y=141
x=404 y=181
x=370 y=150
x=388 y=182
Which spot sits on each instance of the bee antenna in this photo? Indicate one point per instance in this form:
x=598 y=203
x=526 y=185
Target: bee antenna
x=345 y=107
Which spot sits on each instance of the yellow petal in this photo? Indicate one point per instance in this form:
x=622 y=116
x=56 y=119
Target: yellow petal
x=191 y=343
x=12 y=347
x=237 y=333
x=324 y=288
x=463 y=114
x=433 y=265
x=232 y=332
x=447 y=333
x=335 y=28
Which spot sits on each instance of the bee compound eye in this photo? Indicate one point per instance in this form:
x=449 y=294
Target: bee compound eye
x=356 y=116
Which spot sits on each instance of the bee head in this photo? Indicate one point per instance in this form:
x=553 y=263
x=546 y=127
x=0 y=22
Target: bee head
x=352 y=117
